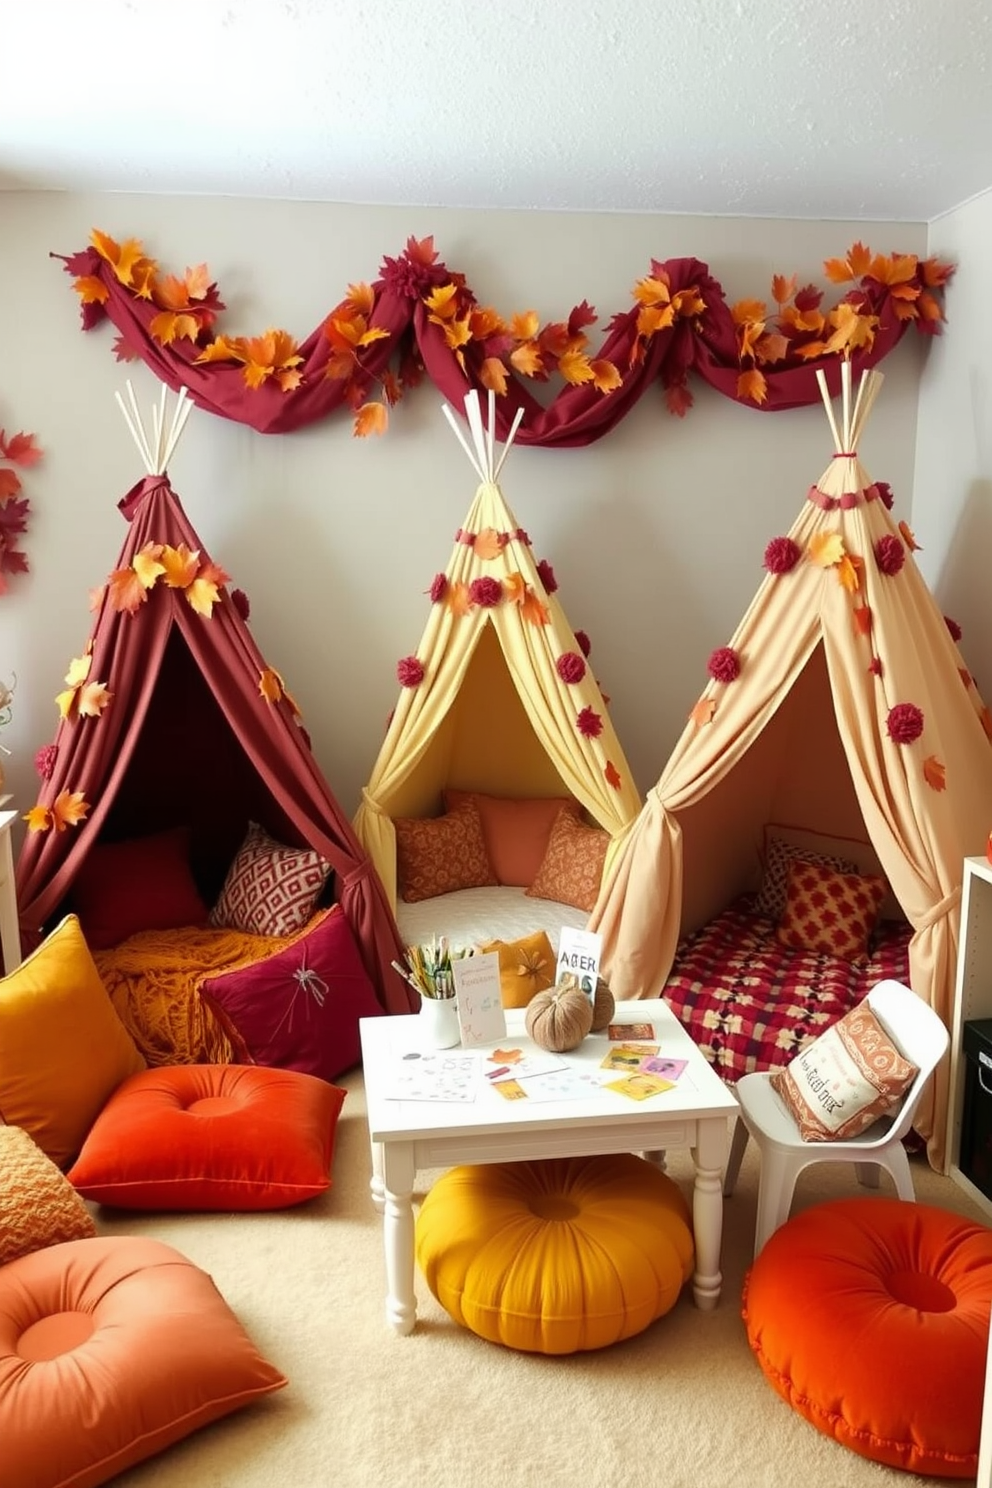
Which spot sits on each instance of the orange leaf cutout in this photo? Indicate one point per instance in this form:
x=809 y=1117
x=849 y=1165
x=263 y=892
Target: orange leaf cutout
x=849 y=573
x=862 y=620
x=204 y=592
x=909 y=539
x=514 y=588
x=68 y=809
x=489 y=544
x=606 y=377
x=92 y=699
x=612 y=775
x=965 y=676
x=752 y=385
x=126 y=591
x=457 y=598
x=147 y=566
x=270 y=685
x=825 y=549
x=985 y=719
x=371 y=418
x=493 y=375
x=79 y=670
x=39 y=819
x=934 y=773
x=703 y=712
x=64 y=702
x=179 y=566
x=534 y=609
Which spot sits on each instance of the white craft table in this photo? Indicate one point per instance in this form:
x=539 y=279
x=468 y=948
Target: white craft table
x=10 y=934
x=408 y=1136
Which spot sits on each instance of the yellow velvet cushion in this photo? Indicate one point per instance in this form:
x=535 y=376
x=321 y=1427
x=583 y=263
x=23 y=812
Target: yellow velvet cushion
x=38 y=1204
x=572 y=867
x=63 y=1049
x=526 y=966
x=556 y=1256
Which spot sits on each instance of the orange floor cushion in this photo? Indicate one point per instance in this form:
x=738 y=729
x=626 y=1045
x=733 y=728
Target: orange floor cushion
x=111 y=1349
x=559 y=1255
x=870 y=1316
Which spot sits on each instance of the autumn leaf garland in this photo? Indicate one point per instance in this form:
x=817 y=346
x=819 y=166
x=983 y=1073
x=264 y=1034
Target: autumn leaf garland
x=20 y=450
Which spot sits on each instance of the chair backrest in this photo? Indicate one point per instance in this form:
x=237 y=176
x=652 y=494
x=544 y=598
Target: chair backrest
x=918 y=1033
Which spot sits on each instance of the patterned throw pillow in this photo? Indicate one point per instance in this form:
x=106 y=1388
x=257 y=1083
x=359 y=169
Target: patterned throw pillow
x=774 y=881
x=845 y=1079
x=270 y=889
x=526 y=966
x=516 y=830
x=38 y=1204
x=572 y=869
x=828 y=912
x=441 y=854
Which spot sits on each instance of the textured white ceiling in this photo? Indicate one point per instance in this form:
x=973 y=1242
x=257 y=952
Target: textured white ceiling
x=783 y=108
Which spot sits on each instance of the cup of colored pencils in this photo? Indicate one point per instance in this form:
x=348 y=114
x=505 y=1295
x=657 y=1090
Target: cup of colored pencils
x=428 y=967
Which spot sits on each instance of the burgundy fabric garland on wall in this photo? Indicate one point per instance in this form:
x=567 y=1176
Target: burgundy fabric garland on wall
x=706 y=345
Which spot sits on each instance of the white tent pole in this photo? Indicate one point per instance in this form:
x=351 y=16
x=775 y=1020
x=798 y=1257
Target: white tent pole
x=490 y=433
x=452 y=418
x=142 y=451
x=873 y=390
x=160 y=440
x=517 y=418
x=179 y=424
x=149 y=463
x=845 y=397
x=474 y=416
x=825 y=395
x=856 y=419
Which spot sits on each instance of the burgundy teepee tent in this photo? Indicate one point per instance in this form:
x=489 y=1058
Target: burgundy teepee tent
x=189 y=737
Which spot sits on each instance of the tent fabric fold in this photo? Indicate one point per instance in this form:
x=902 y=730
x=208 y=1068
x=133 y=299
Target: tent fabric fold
x=189 y=738
x=852 y=725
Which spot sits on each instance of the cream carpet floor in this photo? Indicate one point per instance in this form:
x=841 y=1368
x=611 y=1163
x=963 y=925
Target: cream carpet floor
x=683 y=1405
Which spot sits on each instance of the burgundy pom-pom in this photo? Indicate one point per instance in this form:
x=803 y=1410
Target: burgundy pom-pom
x=485 y=592
x=44 y=761
x=547 y=576
x=570 y=667
x=885 y=493
x=409 y=671
x=583 y=642
x=954 y=628
x=241 y=603
x=439 y=584
x=589 y=723
x=904 y=723
x=724 y=665
x=781 y=555
x=890 y=555
x=875 y=667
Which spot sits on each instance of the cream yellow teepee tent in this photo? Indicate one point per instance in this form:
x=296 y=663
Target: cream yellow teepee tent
x=499 y=697
x=841 y=705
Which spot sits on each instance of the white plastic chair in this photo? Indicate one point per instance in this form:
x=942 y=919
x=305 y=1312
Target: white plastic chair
x=919 y=1034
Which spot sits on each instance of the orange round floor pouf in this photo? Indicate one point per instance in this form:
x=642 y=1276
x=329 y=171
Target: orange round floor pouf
x=556 y=1256
x=870 y=1316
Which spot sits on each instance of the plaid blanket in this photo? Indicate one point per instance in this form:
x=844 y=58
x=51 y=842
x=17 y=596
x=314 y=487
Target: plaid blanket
x=751 y=1003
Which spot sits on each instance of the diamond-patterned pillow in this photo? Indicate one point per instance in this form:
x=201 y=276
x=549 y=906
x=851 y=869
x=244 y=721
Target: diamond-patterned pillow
x=270 y=889
x=829 y=912
x=775 y=877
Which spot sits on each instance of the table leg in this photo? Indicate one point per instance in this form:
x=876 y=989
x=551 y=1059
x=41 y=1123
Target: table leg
x=397 y=1174
x=709 y=1156
x=376 y=1185
x=657 y=1159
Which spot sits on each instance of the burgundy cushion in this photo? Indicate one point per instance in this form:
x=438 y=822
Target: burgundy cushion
x=141 y=883
x=298 y=1008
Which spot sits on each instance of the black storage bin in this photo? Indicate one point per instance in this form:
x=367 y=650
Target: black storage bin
x=975 y=1158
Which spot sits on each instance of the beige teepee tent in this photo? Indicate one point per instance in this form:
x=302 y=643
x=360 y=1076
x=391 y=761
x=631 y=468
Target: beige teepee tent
x=841 y=705
x=499 y=697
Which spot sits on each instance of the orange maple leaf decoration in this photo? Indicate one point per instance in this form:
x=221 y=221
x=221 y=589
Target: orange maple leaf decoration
x=612 y=775
x=703 y=712
x=934 y=773
x=204 y=592
x=985 y=719
x=908 y=538
x=489 y=543
x=67 y=810
x=862 y=619
x=534 y=609
x=371 y=418
x=270 y=685
x=514 y=588
x=826 y=549
x=457 y=598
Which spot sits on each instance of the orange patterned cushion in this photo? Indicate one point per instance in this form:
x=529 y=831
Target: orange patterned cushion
x=775 y=876
x=573 y=864
x=843 y=1081
x=38 y=1204
x=439 y=854
x=829 y=912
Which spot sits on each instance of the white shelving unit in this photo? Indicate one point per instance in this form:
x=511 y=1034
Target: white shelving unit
x=972 y=999
x=10 y=935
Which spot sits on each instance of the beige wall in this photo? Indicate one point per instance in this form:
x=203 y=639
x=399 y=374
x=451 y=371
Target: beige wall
x=656 y=533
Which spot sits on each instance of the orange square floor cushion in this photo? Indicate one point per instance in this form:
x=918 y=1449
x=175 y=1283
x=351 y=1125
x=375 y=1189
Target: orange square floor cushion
x=63 y=1049
x=211 y=1136
x=516 y=830
x=112 y=1349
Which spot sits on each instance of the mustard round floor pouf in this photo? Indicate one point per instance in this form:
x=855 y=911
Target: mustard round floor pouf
x=870 y=1316
x=556 y=1256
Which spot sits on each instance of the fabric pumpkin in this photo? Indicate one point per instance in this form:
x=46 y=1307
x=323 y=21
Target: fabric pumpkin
x=560 y=1018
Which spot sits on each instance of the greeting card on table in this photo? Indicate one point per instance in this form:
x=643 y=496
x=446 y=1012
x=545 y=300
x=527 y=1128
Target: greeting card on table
x=579 y=953
x=480 y=1003
x=640 y=1086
